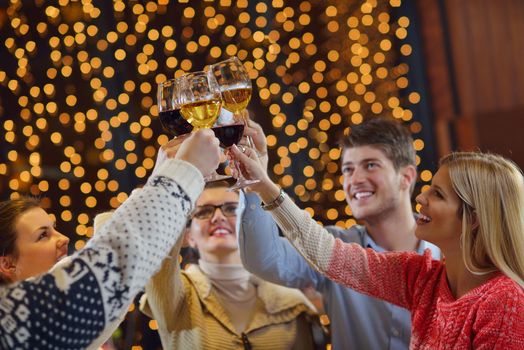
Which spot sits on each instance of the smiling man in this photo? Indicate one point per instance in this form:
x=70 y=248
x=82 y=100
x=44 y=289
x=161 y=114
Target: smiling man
x=379 y=172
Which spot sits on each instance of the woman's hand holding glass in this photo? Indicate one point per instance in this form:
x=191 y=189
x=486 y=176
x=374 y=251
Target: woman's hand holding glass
x=255 y=133
x=200 y=148
x=229 y=129
x=253 y=161
x=252 y=168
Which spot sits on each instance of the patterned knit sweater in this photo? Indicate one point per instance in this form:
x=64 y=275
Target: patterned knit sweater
x=72 y=305
x=490 y=316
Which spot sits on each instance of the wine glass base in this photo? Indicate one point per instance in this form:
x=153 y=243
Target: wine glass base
x=217 y=177
x=242 y=183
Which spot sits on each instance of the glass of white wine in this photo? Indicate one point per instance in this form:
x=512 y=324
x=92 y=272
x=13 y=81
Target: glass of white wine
x=201 y=99
x=234 y=84
x=201 y=103
x=236 y=89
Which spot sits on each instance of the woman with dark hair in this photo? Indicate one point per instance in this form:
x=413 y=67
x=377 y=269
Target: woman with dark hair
x=71 y=306
x=29 y=243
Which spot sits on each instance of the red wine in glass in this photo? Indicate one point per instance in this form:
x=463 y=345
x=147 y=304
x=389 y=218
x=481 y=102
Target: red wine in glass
x=229 y=135
x=173 y=122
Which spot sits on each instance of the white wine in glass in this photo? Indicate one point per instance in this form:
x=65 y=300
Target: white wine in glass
x=201 y=103
x=236 y=99
x=201 y=99
x=201 y=114
x=234 y=84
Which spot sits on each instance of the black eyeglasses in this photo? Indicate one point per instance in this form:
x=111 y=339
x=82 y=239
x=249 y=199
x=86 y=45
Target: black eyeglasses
x=206 y=211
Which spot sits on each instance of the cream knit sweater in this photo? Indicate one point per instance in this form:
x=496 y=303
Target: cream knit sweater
x=190 y=315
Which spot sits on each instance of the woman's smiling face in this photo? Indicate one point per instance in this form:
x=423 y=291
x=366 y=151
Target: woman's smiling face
x=440 y=221
x=38 y=243
x=215 y=236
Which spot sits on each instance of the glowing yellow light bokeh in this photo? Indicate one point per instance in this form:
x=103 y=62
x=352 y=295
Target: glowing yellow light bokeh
x=87 y=122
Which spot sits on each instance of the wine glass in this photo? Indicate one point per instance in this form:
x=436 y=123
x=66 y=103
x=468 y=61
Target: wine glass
x=229 y=130
x=235 y=86
x=168 y=98
x=201 y=103
x=200 y=99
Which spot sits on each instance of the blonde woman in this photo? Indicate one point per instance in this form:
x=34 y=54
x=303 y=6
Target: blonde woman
x=473 y=298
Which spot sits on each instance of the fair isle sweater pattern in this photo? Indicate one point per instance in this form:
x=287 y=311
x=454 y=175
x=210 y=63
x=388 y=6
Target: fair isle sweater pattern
x=69 y=307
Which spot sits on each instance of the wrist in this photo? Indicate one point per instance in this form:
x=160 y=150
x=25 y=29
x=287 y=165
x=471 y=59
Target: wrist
x=275 y=203
x=269 y=192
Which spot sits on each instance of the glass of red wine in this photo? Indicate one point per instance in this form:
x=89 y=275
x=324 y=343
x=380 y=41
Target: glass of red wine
x=169 y=104
x=229 y=129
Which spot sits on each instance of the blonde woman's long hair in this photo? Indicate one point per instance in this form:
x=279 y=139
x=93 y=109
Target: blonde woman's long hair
x=492 y=192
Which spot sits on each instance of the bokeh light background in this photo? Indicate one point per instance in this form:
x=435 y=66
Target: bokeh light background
x=79 y=121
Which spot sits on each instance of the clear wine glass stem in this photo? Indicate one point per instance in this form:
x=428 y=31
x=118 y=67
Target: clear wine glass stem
x=244 y=115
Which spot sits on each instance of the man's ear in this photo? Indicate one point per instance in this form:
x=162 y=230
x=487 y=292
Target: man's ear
x=8 y=267
x=409 y=175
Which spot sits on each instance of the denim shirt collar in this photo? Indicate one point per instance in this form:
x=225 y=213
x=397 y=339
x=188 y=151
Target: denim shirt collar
x=368 y=242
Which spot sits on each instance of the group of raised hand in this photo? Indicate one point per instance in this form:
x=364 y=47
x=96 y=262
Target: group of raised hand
x=202 y=149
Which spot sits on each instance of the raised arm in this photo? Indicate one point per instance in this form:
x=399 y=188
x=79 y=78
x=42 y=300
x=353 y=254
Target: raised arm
x=164 y=291
x=389 y=276
x=70 y=306
x=262 y=250
x=268 y=255
x=101 y=281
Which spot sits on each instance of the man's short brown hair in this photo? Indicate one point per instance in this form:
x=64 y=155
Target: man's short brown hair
x=386 y=134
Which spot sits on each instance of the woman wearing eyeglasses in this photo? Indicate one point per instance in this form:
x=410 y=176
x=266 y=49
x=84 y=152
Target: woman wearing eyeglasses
x=217 y=304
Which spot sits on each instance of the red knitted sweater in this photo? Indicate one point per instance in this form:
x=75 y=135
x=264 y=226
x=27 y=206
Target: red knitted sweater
x=490 y=316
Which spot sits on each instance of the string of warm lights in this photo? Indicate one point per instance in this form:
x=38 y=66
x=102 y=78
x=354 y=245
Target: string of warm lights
x=78 y=88
x=338 y=68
